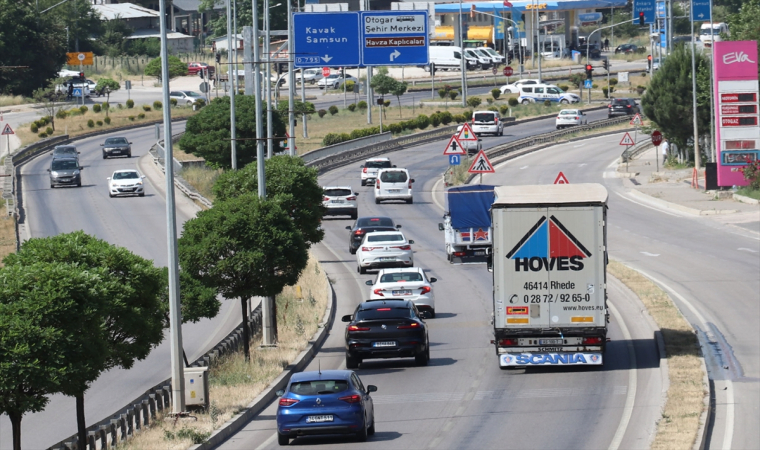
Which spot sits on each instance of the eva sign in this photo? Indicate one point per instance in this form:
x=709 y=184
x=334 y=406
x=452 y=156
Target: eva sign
x=561 y=179
x=627 y=140
x=481 y=164
x=454 y=147
x=466 y=133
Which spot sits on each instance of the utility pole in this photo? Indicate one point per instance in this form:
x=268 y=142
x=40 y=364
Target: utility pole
x=697 y=159
x=267 y=50
x=364 y=6
x=463 y=60
x=231 y=84
x=538 y=40
x=257 y=103
x=291 y=85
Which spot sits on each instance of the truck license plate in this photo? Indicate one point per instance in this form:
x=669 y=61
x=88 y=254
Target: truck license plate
x=481 y=253
x=402 y=292
x=384 y=344
x=550 y=341
x=316 y=419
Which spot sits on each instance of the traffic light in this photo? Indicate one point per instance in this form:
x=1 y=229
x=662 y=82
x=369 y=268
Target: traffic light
x=81 y=75
x=649 y=62
x=589 y=71
x=509 y=57
x=218 y=57
x=200 y=73
x=606 y=64
x=641 y=18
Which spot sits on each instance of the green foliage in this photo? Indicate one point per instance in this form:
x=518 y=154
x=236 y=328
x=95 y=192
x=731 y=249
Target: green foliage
x=460 y=118
x=495 y=93
x=109 y=84
x=362 y=105
x=34 y=128
x=177 y=68
x=493 y=108
x=744 y=24
x=435 y=119
x=299 y=108
x=91 y=123
x=107 y=120
x=613 y=81
x=157 y=105
x=352 y=107
x=146 y=108
x=96 y=108
x=442 y=93
x=503 y=110
x=349 y=86
x=751 y=173
x=195 y=436
x=453 y=95
x=83 y=109
x=42 y=135
x=395 y=128
x=150 y=47
x=333 y=110
x=446 y=117
x=99 y=123
x=141 y=116
x=547 y=103
x=577 y=79
x=607 y=91
x=321 y=113
x=423 y=121
x=474 y=102
x=131 y=103
x=489 y=100
x=207 y=133
x=565 y=87
x=173 y=101
x=131 y=118
x=382 y=83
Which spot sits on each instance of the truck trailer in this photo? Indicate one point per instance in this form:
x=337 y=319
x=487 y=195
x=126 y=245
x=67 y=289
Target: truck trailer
x=467 y=223
x=549 y=263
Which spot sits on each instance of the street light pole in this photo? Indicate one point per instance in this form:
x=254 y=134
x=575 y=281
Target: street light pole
x=231 y=85
x=268 y=79
x=697 y=159
x=462 y=60
x=291 y=86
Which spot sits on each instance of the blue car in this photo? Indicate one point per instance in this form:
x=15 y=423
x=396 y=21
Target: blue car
x=325 y=402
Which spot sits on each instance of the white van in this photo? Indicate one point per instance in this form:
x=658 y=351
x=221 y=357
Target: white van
x=484 y=61
x=448 y=57
x=708 y=36
x=495 y=57
x=393 y=184
x=542 y=92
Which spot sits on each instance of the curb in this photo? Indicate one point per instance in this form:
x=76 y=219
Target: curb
x=744 y=199
x=676 y=207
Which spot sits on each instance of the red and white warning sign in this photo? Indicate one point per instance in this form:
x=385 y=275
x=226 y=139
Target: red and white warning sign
x=636 y=120
x=627 y=140
x=454 y=147
x=481 y=164
x=561 y=179
x=466 y=133
x=285 y=142
x=7 y=130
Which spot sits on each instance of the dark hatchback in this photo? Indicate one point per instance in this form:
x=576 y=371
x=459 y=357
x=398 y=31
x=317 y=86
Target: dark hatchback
x=117 y=146
x=626 y=49
x=390 y=328
x=364 y=225
x=622 y=107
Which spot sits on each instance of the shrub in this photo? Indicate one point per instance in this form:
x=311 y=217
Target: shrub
x=435 y=119
x=362 y=104
x=410 y=124
x=173 y=101
x=321 y=113
x=82 y=109
x=577 y=79
x=513 y=102
x=157 y=105
x=446 y=117
x=442 y=93
x=200 y=103
x=333 y=110
x=564 y=87
x=595 y=86
x=91 y=123
x=96 y=108
x=120 y=106
x=132 y=118
x=331 y=138
x=460 y=118
x=474 y=102
x=495 y=93
x=489 y=101
x=607 y=91
x=141 y=116
x=352 y=107
x=423 y=121
x=547 y=103
x=146 y=108
x=453 y=95
x=613 y=81
x=349 y=86
x=640 y=89
x=49 y=131
x=503 y=109
x=107 y=120
x=493 y=108
x=42 y=135
x=99 y=123
x=44 y=121
x=34 y=128
x=105 y=106
x=386 y=103
x=395 y=128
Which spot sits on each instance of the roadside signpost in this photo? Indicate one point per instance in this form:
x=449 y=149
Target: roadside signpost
x=394 y=38
x=561 y=179
x=656 y=141
x=636 y=120
x=455 y=160
x=322 y=38
x=627 y=141
x=466 y=133
x=481 y=165
x=8 y=131
x=325 y=72
x=454 y=147
x=507 y=73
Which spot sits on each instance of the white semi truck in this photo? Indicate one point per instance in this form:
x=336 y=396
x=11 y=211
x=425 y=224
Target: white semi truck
x=549 y=265
x=467 y=223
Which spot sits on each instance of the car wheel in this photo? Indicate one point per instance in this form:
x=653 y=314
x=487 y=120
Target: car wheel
x=559 y=127
x=352 y=250
x=352 y=363
x=377 y=201
x=79 y=184
x=410 y=201
x=189 y=103
x=141 y=194
x=501 y=132
x=371 y=429
x=525 y=102
x=129 y=155
x=361 y=270
x=110 y=195
x=609 y=117
x=432 y=314
x=361 y=436
x=364 y=182
x=564 y=101
x=354 y=215
x=423 y=358
x=282 y=439
x=52 y=186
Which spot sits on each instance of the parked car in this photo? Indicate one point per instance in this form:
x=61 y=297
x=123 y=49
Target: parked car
x=77 y=83
x=593 y=50
x=364 y=225
x=340 y=201
x=543 y=92
x=126 y=182
x=325 y=402
x=370 y=168
x=393 y=184
x=65 y=172
x=483 y=60
x=384 y=249
x=391 y=328
x=571 y=117
x=186 y=97
x=194 y=67
x=409 y=283
x=450 y=58
x=335 y=81
x=311 y=76
x=487 y=122
x=622 y=106
x=626 y=49
x=497 y=58
x=514 y=88
x=116 y=146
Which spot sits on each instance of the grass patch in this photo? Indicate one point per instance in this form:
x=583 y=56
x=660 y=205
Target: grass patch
x=11 y=100
x=233 y=382
x=179 y=155
x=680 y=419
x=747 y=192
x=7 y=233
x=202 y=179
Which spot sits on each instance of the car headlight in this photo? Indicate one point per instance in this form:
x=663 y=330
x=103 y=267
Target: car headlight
x=76 y=172
x=139 y=183
x=54 y=174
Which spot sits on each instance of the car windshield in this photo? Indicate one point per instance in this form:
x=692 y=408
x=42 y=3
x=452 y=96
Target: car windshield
x=393 y=176
x=386 y=238
x=337 y=192
x=484 y=117
x=569 y=112
x=377 y=164
x=552 y=90
x=64 y=164
x=64 y=151
x=490 y=51
x=382 y=312
x=400 y=276
x=318 y=387
x=125 y=175
x=116 y=141
x=375 y=222
x=707 y=31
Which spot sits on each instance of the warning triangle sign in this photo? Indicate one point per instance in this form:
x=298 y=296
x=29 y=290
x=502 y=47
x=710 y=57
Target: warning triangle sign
x=481 y=164
x=454 y=147
x=636 y=120
x=627 y=140
x=466 y=133
x=561 y=179
x=7 y=130
x=285 y=142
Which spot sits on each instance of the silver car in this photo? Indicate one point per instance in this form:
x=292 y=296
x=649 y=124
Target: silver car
x=340 y=201
x=65 y=172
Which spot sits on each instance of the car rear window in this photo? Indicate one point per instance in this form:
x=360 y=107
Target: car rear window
x=569 y=112
x=337 y=192
x=383 y=312
x=318 y=387
x=393 y=176
x=484 y=117
x=378 y=164
x=386 y=238
x=376 y=222
x=619 y=102
x=402 y=276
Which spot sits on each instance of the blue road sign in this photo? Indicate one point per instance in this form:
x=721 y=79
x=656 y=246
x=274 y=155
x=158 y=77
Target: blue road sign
x=394 y=38
x=648 y=6
x=326 y=39
x=77 y=92
x=587 y=84
x=701 y=10
x=455 y=160
x=661 y=10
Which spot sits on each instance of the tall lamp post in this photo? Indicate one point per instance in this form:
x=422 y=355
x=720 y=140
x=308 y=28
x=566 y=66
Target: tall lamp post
x=231 y=85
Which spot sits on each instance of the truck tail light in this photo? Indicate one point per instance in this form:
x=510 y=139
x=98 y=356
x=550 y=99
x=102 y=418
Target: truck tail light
x=507 y=342
x=459 y=253
x=351 y=398
x=424 y=290
x=379 y=292
x=408 y=326
x=284 y=401
x=357 y=328
x=592 y=341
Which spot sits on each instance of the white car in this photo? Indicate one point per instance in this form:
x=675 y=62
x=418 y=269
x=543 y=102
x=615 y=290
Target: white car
x=186 y=97
x=472 y=147
x=335 y=81
x=571 y=117
x=384 y=249
x=542 y=92
x=370 y=168
x=310 y=76
x=340 y=201
x=487 y=122
x=409 y=283
x=126 y=182
x=393 y=184
x=514 y=88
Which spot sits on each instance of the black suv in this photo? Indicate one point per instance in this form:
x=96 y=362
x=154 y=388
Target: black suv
x=388 y=328
x=364 y=225
x=622 y=107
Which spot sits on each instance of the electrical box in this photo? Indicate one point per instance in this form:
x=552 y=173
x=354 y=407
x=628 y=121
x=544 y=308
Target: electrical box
x=196 y=386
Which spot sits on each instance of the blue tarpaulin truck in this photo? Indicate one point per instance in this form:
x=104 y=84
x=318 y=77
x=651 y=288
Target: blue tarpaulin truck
x=467 y=223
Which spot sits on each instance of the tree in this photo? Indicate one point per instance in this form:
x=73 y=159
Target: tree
x=668 y=99
x=79 y=16
x=207 y=133
x=33 y=48
x=278 y=19
x=107 y=85
x=299 y=108
x=289 y=182
x=245 y=246
x=51 y=100
x=176 y=68
x=399 y=88
x=113 y=39
x=743 y=25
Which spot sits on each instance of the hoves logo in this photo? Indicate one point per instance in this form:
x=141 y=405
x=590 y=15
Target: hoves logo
x=548 y=245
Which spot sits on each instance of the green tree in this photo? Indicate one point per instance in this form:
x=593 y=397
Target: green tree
x=744 y=25
x=177 y=68
x=51 y=100
x=382 y=83
x=207 y=133
x=113 y=38
x=107 y=85
x=243 y=247
x=79 y=16
x=299 y=108
x=278 y=19
x=150 y=47
x=289 y=182
x=668 y=99
x=398 y=89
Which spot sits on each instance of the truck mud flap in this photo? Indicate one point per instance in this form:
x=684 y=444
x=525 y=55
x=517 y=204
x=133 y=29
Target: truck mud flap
x=550 y=359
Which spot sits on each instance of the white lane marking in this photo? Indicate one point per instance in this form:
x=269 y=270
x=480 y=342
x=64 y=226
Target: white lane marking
x=630 y=398
x=582 y=164
x=434 y=190
x=650 y=254
x=647 y=206
x=728 y=435
x=576 y=146
x=524 y=167
x=267 y=443
x=742 y=249
x=608 y=174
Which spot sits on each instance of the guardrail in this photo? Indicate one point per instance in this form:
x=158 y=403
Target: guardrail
x=158 y=158
x=634 y=150
x=346 y=146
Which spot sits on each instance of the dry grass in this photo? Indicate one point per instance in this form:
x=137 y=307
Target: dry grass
x=179 y=155
x=233 y=382
x=7 y=233
x=680 y=419
x=11 y=100
x=202 y=179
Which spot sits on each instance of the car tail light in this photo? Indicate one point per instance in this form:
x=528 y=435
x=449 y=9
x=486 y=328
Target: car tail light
x=377 y=184
x=383 y=309
x=379 y=292
x=284 y=401
x=409 y=326
x=357 y=328
x=364 y=170
x=558 y=117
x=358 y=231
x=351 y=398
x=369 y=249
x=410 y=184
x=425 y=289
x=576 y=117
x=507 y=342
x=326 y=199
x=496 y=120
x=473 y=120
x=350 y=199
x=592 y=341
x=627 y=106
x=403 y=247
